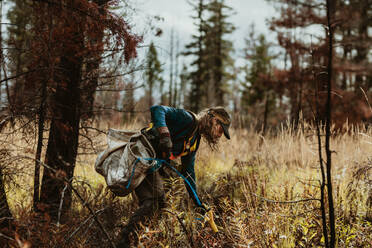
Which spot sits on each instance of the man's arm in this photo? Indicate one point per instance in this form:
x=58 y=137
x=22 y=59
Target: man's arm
x=175 y=119
x=158 y=117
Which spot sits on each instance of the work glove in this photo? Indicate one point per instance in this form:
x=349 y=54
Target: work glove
x=165 y=142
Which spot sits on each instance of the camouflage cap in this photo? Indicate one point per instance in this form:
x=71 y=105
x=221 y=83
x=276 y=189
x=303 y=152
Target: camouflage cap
x=222 y=117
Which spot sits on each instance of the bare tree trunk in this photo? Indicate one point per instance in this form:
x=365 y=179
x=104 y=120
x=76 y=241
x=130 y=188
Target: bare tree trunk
x=62 y=146
x=265 y=113
x=171 y=56
x=1 y=47
x=176 y=74
x=5 y=214
x=41 y=122
x=323 y=180
x=92 y=69
x=63 y=135
x=330 y=9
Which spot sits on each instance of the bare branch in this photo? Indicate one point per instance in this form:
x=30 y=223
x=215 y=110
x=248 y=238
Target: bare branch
x=287 y=202
x=85 y=204
x=82 y=224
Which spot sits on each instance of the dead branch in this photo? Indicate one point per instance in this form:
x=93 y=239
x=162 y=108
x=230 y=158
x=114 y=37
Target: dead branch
x=82 y=224
x=183 y=227
x=286 y=202
x=85 y=204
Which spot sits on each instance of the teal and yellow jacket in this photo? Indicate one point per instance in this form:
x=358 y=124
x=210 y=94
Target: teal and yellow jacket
x=185 y=137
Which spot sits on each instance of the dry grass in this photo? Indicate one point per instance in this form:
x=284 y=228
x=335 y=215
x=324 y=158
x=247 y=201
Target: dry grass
x=241 y=182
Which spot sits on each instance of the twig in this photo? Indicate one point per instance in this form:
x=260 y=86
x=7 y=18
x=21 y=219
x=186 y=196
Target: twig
x=183 y=227
x=93 y=128
x=300 y=214
x=100 y=225
x=18 y=75
x=82 y=224
x=89 y=140
x=286 y=202
x=5 y=236
x=366 y=97
x=4 y=121
x=122 y=89
x=60 y=205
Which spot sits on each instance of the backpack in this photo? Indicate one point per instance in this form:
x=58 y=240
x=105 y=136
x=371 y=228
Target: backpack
x=126 y=160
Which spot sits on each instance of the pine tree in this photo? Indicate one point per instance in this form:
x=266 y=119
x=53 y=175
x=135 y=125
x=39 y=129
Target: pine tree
x=219 y=51
x=184 y=81
x=5 y=214
x=129 y=101
x=61 y=63
x=171 y=71
x=196 y=49
x=153 y=73
x=353 y=64
x=350 y=65
x=19 y=39
x=258 y=87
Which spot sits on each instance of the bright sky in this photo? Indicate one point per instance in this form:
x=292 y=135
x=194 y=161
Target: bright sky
x=176 y=14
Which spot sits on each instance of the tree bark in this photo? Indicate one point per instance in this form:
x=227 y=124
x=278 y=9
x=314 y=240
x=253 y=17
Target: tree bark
x=5 y=214
x=63 y=137
x=330 y=9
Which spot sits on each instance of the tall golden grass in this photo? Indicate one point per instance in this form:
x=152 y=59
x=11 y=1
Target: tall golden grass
x=263 y=191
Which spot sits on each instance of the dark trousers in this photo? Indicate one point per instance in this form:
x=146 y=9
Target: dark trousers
x=150 y=194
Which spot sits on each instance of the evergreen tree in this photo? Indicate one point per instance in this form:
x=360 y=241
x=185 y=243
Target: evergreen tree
x=19 y=39
x=171 y=72
x=258 y=87
x=256 y=52
x=129 y=101
x=219 y=51
x=61 y=61
x=184 y=81
x=153 y=73
x=356 y=42
x=196 y=49
x=351 y=61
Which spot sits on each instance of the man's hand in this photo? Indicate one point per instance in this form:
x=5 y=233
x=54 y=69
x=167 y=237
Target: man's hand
x=165 y=142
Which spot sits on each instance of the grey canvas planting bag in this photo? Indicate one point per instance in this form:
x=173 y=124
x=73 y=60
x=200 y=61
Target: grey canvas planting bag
x=125 y=161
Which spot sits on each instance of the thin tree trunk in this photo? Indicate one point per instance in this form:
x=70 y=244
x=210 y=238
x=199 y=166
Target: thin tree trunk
x=176 y=74
x=265 y=113
x=218 y=62
x=5 y=214
x=328 y=126
x=323 y=181
x=171 y=56
x=1 y=47
x=92 y=68
x=41 y=122
x=299 y=102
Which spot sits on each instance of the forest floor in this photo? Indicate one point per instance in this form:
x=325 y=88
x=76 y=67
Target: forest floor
x=264 y=192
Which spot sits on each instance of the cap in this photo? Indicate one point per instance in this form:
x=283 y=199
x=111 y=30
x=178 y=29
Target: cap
x=223 y=119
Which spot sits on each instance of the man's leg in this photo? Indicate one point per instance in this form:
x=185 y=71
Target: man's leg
x=150 y=194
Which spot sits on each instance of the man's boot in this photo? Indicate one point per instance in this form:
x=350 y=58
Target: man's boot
x=124 y=241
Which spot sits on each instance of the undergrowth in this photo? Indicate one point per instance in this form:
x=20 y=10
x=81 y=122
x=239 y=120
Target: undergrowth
x=264 y=192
